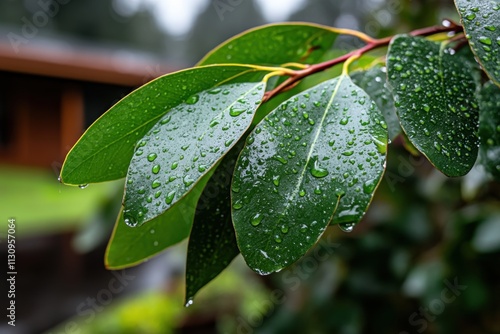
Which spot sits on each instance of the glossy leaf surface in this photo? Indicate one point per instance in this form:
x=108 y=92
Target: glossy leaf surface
x=435 y=101
x=318 y=155
x=274 y=44
x=481 y=21
x=184 y=145
x=489 y=129
x=130 y=246
x=103 y=153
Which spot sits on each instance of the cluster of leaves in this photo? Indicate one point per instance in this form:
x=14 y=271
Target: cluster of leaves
x=222 y=154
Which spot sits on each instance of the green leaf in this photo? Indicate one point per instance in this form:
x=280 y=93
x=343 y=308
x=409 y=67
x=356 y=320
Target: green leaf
x=212 y=243
x=130 y=246
x=435 y=102
x=104 y=151
x=374 y=82
x=274 y=44
x=318 y=154
x=481 y=21
x=489 y=129
x=185 y=145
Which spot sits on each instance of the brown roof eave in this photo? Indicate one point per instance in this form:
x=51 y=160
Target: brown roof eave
x=93 y=67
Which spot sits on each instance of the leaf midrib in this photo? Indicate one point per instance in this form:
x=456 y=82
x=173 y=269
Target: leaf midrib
x=309 y=154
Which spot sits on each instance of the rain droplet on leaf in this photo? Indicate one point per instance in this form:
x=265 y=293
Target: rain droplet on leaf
x=317 y=171
x=346 y=227
x=192 y=99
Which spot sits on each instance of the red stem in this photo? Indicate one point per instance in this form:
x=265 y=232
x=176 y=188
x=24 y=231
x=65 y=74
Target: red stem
x=300 y=74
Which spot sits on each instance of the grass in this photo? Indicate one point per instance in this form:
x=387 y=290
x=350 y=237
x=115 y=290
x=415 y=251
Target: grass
x=40 y=204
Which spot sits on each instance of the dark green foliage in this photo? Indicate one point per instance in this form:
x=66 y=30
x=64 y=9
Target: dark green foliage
x=212 y=243
x=435 y=102
x=266 y=178
x=480 y=19
x=318 y=156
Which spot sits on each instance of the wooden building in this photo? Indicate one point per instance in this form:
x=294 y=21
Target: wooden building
x=48 y=96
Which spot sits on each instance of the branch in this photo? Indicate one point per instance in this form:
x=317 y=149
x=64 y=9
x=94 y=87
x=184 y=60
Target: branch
x=298 y=75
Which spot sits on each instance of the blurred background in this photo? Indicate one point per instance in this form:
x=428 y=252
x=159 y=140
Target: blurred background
x=425 y=259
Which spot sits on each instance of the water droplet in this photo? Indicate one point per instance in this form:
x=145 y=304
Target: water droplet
x=278 y=239
x=165 y=120
x=237 y=205
x=214 y=122
x=369 y=186
x=470 y=16
x=202 y=168
x=152 y=157
x=170 y=197
x=234 y=112
x=302 y=193
x=280 y=159
x=317 y=171
x=215 y=91
x=276 y=180
x=192 y=99
x=187 y=181
x=83 y=186
x=155 y=184
x=189 y=302
x=174 y=165
x=347 y=227
x=485 y=40
x=344 y=121
x=156 y=169
x=256 y=220
x=398 y=67
x=381 y=145
x=348 y=153
x=131 y=222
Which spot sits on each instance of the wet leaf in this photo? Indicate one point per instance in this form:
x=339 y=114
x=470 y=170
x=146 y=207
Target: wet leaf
x=489 y=129
x=274 y=44
x=374 y=82
x=212 y=243
x=185 y=145
x=130 y=246
x=104 y=151
x=435 y=102
x=318 y=156
x=481 y=21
